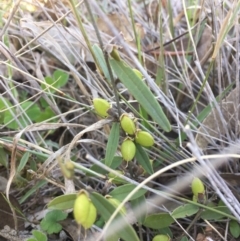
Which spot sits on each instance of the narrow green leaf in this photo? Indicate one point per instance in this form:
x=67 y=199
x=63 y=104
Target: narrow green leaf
x=101 y=61
x=145 y=119
x=125 y=230
x=143 y=159
x=62 y=202
x=211 y=215
x=23 y=161
x=185 y=211
x=121 y=192
x=112 y=144
x=158 y=220
x=117 y=160
x=33 y=190
x=141 y=93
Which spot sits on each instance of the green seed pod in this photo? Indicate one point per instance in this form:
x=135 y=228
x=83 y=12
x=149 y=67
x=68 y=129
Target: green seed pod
x=115 y=202
x=197 y=187
x=67 y=168
x=127 y=124
x=101 y=106
x=115 y=54
x=84 y=211
x=144 y=138
x=161 y=237
x=128 y=150
x=138 y=73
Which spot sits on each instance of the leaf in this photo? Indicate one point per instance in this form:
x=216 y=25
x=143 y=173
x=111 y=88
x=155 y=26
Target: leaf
x=184 y=238
x=61 y=78
x=234 y=228
x=121 y=192
x=101 y=61
x=5 y=104
x=112 y=144
x=32 y=190
x=46 y=114
x=62 y=202
x=3 y=157
x=39 y=236
x=32 y=111
x=158 y=220
x=141 y=93
x=185 y=210
x=144 y=121
x=125 y=230
x=23 y=161
x=117 y=160
x=49 y=223
x=141 y=201
x=58 y=80
x=211 y=215
x=143 y=159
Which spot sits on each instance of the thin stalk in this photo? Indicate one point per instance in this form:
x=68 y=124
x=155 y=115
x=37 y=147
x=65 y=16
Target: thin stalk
x=105 y=56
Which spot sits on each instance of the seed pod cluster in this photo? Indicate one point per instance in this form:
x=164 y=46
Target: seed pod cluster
x=144 y=138
x=84 y=211
x=128 y=124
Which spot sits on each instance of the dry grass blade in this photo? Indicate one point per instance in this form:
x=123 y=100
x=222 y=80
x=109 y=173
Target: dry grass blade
x=213 y=127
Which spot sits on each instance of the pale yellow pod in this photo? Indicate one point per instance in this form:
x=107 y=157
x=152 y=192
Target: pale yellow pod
x=92 y=215
x=84 y=211
x=101 y=106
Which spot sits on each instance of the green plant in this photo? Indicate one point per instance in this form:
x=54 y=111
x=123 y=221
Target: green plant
x=31 y=112
x=163 y=63
x=50 y=223
x=38 y=236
